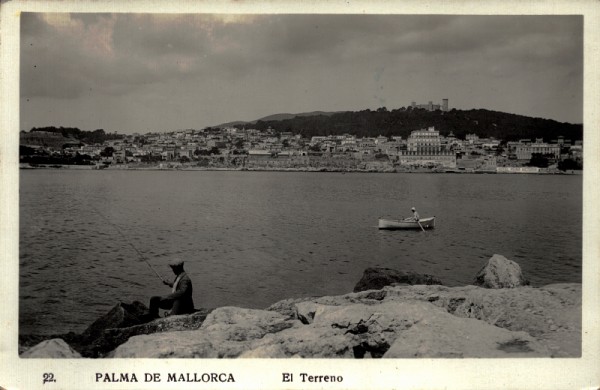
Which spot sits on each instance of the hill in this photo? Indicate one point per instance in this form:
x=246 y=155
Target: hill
x=400 y=122
x=280 y=117
x=46 y=139
x=277 y=117
x=57 y=137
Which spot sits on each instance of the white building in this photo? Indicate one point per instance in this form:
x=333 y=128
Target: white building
x=524 y=151
x=424 y=147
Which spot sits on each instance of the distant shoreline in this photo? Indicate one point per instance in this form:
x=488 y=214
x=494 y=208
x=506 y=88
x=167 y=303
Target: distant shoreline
x=318 y=170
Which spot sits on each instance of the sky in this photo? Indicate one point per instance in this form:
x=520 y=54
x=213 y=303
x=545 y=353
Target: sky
x=131 y=73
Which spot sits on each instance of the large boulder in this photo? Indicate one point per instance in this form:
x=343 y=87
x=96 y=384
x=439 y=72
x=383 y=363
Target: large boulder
x=27 y=341
x=551 y=314
x=111 y=338
x=91 y=342
x=302 y=308
x=226 y=332
x=122 y=315
x=454 y=337
x=500 y=272
x=51 y=349
x=377 y=278
x=116 y=327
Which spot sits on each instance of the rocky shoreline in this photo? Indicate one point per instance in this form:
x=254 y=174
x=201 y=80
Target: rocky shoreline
x=390 y=314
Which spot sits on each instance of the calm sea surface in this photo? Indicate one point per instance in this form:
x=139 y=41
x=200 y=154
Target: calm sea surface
x=252 y=238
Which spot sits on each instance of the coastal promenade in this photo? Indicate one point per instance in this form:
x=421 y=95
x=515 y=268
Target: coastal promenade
x=364 y=168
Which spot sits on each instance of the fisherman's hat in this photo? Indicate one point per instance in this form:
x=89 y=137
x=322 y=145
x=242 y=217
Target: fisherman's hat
x=176 y=262
x=413 y=209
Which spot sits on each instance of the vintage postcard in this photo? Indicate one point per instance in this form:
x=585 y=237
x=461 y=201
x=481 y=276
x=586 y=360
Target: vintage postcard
x=299 y=195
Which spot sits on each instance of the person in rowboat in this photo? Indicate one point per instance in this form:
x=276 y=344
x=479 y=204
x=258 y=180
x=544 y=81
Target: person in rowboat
x=180 y=300
x=415 y=216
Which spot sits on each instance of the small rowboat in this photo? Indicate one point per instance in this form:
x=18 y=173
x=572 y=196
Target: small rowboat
x=426 y=223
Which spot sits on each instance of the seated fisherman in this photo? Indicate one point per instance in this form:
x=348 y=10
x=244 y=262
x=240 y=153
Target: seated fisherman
x=180 y=300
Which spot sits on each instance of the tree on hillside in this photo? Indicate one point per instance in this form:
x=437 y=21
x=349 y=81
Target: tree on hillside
x=107 y=152
x=538 y=160
x=239 y=143
x=500 y=149
x=569 y=164
x=367 y=123
x=26 y=151
x=82 y=159
x=140 y=140
x=95 y=137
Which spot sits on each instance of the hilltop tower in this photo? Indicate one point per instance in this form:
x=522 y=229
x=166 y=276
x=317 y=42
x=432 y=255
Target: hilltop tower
x=430 y=106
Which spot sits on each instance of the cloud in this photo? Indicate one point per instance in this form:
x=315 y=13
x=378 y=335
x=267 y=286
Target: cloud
x=61 y=56
x=324 y=60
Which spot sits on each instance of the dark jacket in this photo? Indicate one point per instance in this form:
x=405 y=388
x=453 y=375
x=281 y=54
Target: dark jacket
x=182 y=297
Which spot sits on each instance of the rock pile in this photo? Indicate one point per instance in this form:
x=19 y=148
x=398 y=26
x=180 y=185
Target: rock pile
x=109 y=331
x=54 y=348
x=395 y=321
x=377 y=278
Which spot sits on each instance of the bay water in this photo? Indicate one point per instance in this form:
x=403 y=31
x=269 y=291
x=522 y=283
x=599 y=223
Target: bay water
x=250 y=239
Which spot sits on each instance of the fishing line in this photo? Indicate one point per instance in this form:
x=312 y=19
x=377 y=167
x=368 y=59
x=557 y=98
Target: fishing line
x=129 y=242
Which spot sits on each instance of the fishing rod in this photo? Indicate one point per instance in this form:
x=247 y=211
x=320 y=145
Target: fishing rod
x=129 y=242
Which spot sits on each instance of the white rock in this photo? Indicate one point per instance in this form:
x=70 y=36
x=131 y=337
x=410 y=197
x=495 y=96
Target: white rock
x=499 y=272
x=453 y=337
x=227 y=332
x=51 y=349
x=265 y=352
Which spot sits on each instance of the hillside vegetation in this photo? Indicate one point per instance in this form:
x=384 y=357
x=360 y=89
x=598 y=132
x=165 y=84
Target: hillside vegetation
x=401 y=122
x=59 y=136
x=276 y=117
x=366 y=123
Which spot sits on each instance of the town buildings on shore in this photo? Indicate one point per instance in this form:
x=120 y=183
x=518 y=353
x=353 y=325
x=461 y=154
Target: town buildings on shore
x=231 y=147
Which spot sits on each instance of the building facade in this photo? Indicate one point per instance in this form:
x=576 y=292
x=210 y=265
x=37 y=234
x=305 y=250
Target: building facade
x=432 y=107
x=524 y=151
x=424 y=147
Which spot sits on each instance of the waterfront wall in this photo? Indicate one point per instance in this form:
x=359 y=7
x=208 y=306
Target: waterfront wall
x=518 y=170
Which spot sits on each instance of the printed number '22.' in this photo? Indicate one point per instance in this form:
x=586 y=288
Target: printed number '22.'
x=48 y=377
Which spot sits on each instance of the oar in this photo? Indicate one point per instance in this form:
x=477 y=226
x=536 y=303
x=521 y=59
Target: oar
x=421 y=226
